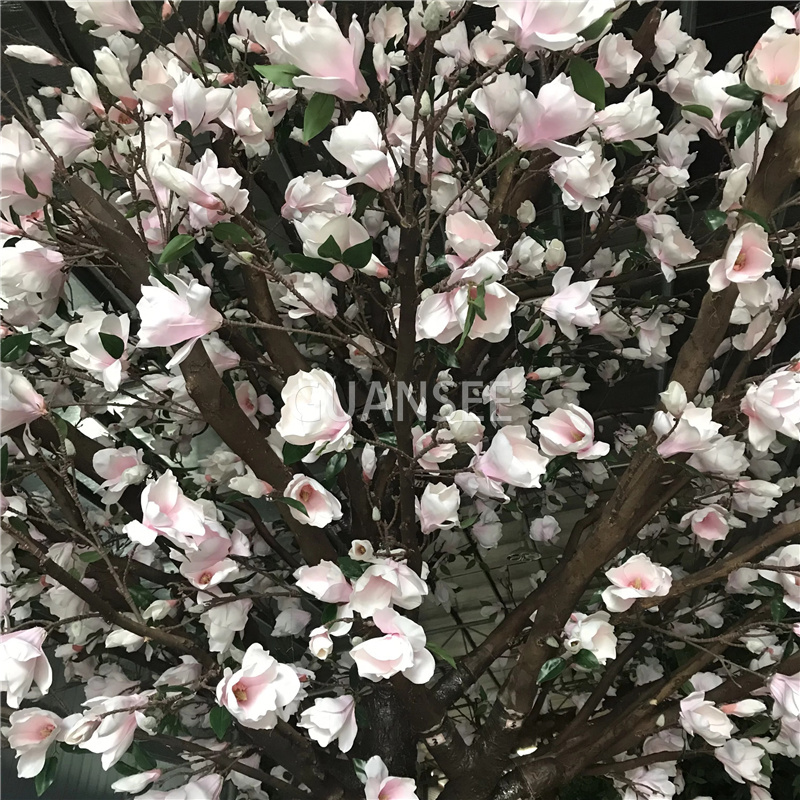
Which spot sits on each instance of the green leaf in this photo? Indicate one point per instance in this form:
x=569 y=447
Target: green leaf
x=352 y=569
x=90 y=557
x=30 y=187
x=629 y=147
x=535 y=331
x=44 y=780
x=587 y=659
x=467 y=326
x=550 y=670
x=714 y=218
x=3 y=462
x=103 y=176
x=445 y=356
x=479 y=301
x=141 y=596
x=701 y=111
x=280 y=74
x=318 y=114
x=731 y=119
x=292 y=453
x=388 y=438
x=330 y=249
x=486 y=141
x=597 y=27
x=441 y=653
x=292 y=503
x=459 y=133
x=742 y=91
x=746 y=125
x=756 y=218
x=303 y=263
x=230 y=232
x=777 y=609
x=588 y=82
x=442 y=148
x=359 y=255
x=329 y=613
x=142 y=757
x=113 y=345
x=220 y=720
x=334 y=466
x=177 y=248
x=758 y=728
x=124 y=769
x=14 y=347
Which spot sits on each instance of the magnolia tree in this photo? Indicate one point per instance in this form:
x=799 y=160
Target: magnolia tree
x=242 y=449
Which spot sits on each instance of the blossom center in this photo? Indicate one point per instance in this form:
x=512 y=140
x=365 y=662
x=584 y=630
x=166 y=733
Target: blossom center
x=636 y=583
x=305 y=493
x=738 y=265
x=240 y=692
x=46 y=730
x=205 y=578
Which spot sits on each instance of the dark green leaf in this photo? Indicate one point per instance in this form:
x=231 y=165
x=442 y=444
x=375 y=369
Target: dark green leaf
x=597 y=27
x=714 y=218
x=758 y=728
x=486 y=141
x=742 y=91
x=292 y=503
x=280 y=74
x=359 y=255
x=103 y=175
x=329 y=612
x=731 y=119
x=459 y=133
x=177 y=248
x=701 y=111
x=551 y=669
x=292 y=453
x=142 y=757
x=141 y=596
x=588 y=82
x=629 y=147
x=330 y=249
x=746 y=125
x=161 y=277
x=230 y=232
x=44 y=780
x=777 y=609
x=303 y=263
x=479 y=301
x=220 y=720
x=352 y=569
x=388 y=438
x=441 y=653
x=587 y=659
x=756 y=218
x=15 y=346
x=90 y=557
x=468 y=322
x=113 y=345
x=535 y=331
x=318 y=114
x=446 y=356
x=124 y=769
x=334 y=466
x=184 y=129
x=30 y=187
x=443 y=148
x=3 y=462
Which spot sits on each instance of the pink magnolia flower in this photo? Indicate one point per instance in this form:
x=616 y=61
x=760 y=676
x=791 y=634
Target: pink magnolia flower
x=387 y=24
x=709 y=523
x=694 y=431
x=774 y=69
x=701 y=717
x=773 y=407
x=388 y=583
x=324 y=581
x=91 y=351
x=30 y=734
x=209 y=565
x=666 y=242
x=499 y=100
x=257 y=693
x=209 y=787
x=133 y=784
x=359 y=145
x=401 y=649
x=557 y=112
x=119 y=718
x=171 y=317
x=313 y=192
x=785 y=557
x=120 y=468
x=544 y=529
x=437 y=509
x=111 y=16
x=616 y=59
x=709 y=91
x=785 y=691
x=321 y=506
x=742 y=761
x=747 y=258
x=584 y=178
x=66 y=136
x=469 y=237
x=312 y=413
x=331 y=718
x=320 y=643
x=570 y=304
x=637 y=577
x=223 y=622
x=20 y=403
x=23 y=157
x=199 y=105
x=166 y=511
x=591 y=632
x=31 y=55
x=316 y=296
x=436 y=317
x=29 y=268
x=546 y=24
x=569 y=430
x=319 y=48
x=499 y=304
x=744 y=708
x=512 y=458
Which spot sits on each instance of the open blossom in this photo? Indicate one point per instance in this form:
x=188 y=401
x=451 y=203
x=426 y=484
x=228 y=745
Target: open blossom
x=499 y=100
x=312 y=193
x=257 y=693
x=616 y=59
x=569 y=430
x=591 y=632
x=437 y=509
x=785 y=691
x=23 y=157
x=513 y=458
x=544 y=529
x=742 y=761
x=701 y=717
x=23 y=663
x=632 y=120
x=66 y=136
x=120 y=468
x=319 y=48
x=321 y=506
x=785 y=558
x=31 y=282
x=381 y=785
x=312 y=413
x=359 y=145
x=571 y=305
x=324 y=581
x=666 y=242
x=400 y=649
x=111 y=16
x=97 y=339
x=747 y=258
x=584 y=179
x=694 y=431
x=774 y=69
x=171 y=317
x=499 y=304
x=386 y=583
x=20 y=403
x=709 y=523
x=329 y=719
x=30 y=734
x=637 y=577
x=773 y=407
